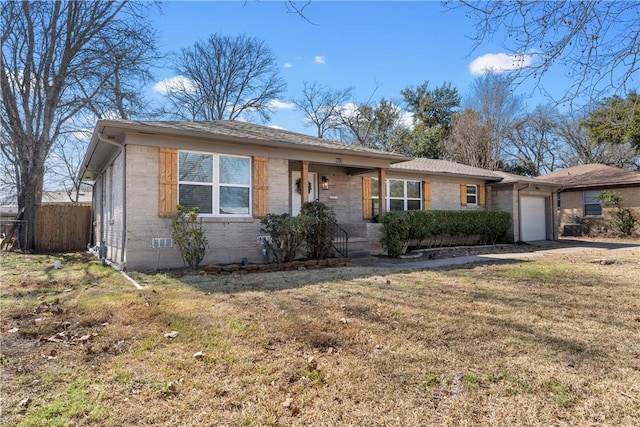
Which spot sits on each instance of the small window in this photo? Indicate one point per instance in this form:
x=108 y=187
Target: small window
x=472 y=194
x=558 y=200
x=592 y=206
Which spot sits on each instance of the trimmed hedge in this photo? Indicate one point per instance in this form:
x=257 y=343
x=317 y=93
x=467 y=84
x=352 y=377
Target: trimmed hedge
x=403 y=228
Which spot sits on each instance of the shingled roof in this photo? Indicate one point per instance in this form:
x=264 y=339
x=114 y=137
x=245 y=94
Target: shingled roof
x=592 y=175
x=445 y=167
x=248 y=132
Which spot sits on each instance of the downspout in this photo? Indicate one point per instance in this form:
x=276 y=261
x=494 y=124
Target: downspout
x=554 y=210
x=93 y=211
x=117 y=268
x=520 y=212
x=124 y=192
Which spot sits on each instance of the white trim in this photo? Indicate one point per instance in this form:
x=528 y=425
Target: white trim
x=216 y=185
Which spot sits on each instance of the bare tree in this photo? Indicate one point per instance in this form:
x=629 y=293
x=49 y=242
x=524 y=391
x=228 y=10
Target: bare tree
x=533 y=140
x=469 y=141
x=8 y=174
x=63 y=161
x=53 y=67
x=492 y=96
x=322 y=105
x=224 y=78
x=597 y=41
x=579 y=149
x=378 y=126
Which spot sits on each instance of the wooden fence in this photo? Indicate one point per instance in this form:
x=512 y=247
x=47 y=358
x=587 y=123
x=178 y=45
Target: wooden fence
x=62 y=227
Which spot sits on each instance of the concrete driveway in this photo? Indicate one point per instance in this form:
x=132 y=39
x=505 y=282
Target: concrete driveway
x=538 y=249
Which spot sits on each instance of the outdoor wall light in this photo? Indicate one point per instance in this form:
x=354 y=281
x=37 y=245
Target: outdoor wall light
x=325 y=182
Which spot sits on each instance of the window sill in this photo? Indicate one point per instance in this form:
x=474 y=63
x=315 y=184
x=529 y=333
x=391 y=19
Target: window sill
x=221 y=219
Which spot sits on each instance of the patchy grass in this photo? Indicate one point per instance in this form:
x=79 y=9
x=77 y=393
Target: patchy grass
x=546 y=340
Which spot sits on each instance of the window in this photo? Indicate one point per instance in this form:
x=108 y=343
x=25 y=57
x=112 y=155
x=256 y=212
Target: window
x=472 y=194
x=217 y=184
x=375 y=197
x=401 y=195
x=404 y=195
x=592 y=206
x=558 y=200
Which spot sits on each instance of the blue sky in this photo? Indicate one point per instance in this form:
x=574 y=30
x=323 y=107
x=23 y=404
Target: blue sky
x=359 y=44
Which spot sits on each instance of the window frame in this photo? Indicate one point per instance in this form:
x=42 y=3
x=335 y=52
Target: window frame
x=216 y=184
x=473 y=195
x=592 y=202
x=405 y=198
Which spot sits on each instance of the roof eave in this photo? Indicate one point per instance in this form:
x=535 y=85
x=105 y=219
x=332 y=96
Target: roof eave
x=203 y=134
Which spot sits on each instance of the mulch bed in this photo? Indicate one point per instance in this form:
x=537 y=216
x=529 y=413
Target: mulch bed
x=284 y=266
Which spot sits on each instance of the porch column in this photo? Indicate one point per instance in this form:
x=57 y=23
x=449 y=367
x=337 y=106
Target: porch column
x=382 y=202
x=304 y=182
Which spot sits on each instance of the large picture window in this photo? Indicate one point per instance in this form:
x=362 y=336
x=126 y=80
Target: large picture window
x=401 y=195
x=217 y=184
x=404 y=195
x=592 y=205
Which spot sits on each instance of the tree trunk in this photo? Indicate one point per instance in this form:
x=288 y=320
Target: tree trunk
x=31 y=176
x=28 y=200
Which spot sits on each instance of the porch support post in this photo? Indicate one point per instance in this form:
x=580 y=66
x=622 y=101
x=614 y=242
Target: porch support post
x=382 y=197
x=304 y=182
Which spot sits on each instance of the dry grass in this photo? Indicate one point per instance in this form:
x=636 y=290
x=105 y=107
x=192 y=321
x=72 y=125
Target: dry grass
x=554 y=340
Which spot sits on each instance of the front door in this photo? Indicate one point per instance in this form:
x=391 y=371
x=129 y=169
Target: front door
x=296 y=187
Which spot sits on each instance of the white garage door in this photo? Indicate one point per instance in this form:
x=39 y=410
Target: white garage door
x=533 y=220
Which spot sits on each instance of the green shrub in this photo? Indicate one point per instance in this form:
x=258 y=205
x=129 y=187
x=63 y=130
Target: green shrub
x=319 y=239
x=422 y=226
x=188 y=234
x=288 y=234
x=623 y=221
x=396 y=229
x=400 y=229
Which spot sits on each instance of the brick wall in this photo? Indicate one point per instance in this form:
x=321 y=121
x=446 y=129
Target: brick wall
x=572 y=205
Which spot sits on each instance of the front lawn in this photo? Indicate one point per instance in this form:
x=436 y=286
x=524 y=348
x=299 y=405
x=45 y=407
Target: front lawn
x=554 y=340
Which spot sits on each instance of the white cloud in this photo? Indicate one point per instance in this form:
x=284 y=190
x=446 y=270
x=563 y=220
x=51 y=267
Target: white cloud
x=499 y=62
x=319 y=60
x=406 y=118
x=281 y=105
x=276 y=127
x=288 y=65
x=175 y=83
x=349 y=109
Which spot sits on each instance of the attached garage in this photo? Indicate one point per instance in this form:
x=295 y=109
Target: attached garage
x=533 y=222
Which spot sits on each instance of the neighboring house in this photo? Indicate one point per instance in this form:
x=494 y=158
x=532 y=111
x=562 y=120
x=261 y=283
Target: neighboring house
x=56 y=197
x=237 y=173
x=579 y=188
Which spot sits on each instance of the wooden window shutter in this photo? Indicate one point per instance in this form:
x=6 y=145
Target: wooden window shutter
x=426 y=195
x=260 y=187
x=168 y=185
x=367 y=205
x=463 y=194
x=482 y=196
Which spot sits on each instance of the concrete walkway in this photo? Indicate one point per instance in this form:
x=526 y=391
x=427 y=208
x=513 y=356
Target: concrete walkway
x=561 y=247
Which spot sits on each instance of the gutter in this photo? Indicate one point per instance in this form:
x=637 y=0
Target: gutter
x=554 y=210
x=124 y=191
x=520 y=212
